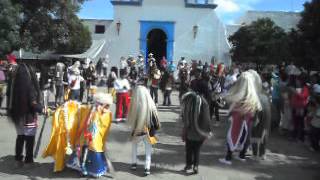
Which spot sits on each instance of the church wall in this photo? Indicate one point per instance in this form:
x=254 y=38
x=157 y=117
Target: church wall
x=210 y=40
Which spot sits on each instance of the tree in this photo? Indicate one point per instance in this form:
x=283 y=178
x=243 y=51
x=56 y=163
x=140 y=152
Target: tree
x=261 y=42
x=48 y=25
x=9 y=29
x=309 y=32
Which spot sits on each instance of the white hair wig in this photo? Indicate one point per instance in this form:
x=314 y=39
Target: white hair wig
x=142 y=110
x=103 y=98
x=244 y=94
x=256 y=80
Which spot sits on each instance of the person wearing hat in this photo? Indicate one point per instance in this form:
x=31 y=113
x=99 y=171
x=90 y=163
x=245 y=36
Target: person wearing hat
x=122 y=87
x=74 y=84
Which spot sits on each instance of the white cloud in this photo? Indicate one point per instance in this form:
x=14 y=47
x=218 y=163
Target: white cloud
x=227 y=6
x=232 y=8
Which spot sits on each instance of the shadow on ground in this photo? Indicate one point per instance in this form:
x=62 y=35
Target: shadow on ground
x=39 y=170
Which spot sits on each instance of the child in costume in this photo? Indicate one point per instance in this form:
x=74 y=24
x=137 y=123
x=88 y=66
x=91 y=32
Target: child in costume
x=85 y=131
x=144 y=121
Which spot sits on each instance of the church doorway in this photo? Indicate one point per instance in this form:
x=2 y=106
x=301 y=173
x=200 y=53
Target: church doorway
x=157 y=44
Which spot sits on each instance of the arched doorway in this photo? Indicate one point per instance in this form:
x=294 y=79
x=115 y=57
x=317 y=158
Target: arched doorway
x=157 y=44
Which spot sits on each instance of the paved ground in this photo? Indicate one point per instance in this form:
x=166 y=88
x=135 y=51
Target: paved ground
x=286 y=160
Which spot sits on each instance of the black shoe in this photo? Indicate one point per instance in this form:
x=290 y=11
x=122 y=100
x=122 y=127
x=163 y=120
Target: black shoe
x=187 y=169
x=147 y=172
x=133 y=167
x=195 y=170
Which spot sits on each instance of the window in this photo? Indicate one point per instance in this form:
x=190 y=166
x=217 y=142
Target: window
x=100 y=29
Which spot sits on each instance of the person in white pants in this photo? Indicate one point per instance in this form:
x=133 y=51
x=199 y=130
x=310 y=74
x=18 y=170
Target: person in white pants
x=144 y=122
x=148 y=151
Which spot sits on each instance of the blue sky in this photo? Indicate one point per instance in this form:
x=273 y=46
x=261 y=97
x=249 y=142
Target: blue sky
x=228 y=10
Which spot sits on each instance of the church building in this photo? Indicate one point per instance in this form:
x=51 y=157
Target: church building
x=167 y=28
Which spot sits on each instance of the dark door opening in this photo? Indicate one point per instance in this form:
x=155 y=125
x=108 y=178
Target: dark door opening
x=157 y=44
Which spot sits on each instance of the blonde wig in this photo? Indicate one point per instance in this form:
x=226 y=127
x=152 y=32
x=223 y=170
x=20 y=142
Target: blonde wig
x=243 y=94
x=256 y=80
x=143 y=111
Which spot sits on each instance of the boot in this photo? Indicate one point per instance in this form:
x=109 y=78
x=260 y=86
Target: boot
x=19 y=147
x=29 y=149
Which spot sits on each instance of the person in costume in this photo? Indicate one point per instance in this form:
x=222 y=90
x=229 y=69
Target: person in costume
x=24 y=104
x=122 y=87
x=245 y=103
x=196 y=120
x=144 y=121
x=262 y=122
x=84 y=131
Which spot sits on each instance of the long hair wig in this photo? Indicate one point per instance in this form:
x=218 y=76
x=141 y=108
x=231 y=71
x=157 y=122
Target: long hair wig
x=143 y=111
x=191 y=105
x=244 y=94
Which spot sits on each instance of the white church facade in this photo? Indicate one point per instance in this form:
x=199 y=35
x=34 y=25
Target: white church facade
x=166 y=28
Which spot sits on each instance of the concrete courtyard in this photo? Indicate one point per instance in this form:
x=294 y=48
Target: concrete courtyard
x=286 y=160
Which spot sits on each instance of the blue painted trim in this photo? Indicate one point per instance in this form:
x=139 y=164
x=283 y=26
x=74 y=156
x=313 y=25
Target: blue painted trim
x=166 y=26
x=198 y=5
x=128 y=3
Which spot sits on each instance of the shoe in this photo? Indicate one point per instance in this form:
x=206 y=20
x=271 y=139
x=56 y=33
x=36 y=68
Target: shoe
x=147 y=172
x=224 y=161
x=240 y=159
x=118 y=119
x=84 y=171
x=188 y=170
x=133 y=167
x=195 y=170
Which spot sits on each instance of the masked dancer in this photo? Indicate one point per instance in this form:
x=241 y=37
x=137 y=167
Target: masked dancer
x=144 y=122
x=245 y=103
x=196 y=120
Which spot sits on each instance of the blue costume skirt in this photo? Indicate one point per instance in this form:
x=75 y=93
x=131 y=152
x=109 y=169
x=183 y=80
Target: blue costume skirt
x=96 y=164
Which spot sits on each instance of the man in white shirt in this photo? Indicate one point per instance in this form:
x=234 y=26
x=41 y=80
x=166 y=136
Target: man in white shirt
x=74 y=84
x=122 y=87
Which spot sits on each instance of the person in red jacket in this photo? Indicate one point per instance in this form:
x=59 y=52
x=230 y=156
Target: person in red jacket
x=299 y=101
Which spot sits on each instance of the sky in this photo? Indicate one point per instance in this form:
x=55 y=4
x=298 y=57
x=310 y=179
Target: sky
x=228 y=10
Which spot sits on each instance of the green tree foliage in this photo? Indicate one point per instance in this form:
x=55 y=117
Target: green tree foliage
x=51 y=25
x=9 y=29
x=261 y=42
x=309 y=34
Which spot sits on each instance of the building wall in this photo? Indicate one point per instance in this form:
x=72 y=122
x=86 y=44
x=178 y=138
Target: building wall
x=210 y=40
x=91 y=24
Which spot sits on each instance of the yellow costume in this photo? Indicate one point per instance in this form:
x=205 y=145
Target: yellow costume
x=75 y=125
